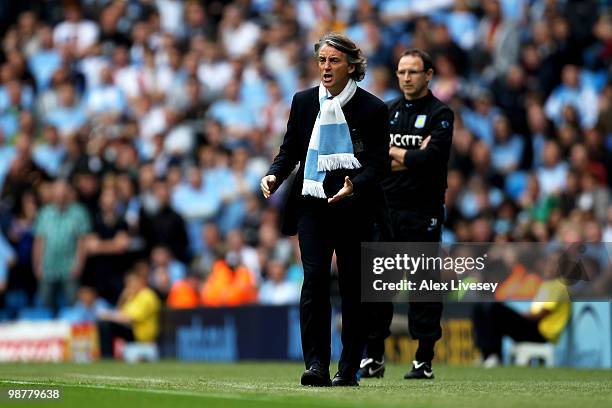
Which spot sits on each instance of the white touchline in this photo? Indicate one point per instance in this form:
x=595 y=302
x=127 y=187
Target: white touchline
x=117 y=378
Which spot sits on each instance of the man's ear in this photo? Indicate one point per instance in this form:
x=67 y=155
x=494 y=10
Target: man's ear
x=429 y=75
x=351 y=68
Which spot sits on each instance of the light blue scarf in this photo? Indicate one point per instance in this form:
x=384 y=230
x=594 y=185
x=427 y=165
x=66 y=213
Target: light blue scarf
x=330 y=146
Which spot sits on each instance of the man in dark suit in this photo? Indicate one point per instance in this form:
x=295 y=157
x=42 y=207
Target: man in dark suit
x=332 y=206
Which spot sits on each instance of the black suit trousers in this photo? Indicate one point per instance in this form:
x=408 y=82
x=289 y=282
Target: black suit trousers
x=322 y=229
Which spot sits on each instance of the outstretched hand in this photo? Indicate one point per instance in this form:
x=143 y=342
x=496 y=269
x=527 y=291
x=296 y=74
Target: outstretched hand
x=345 y=191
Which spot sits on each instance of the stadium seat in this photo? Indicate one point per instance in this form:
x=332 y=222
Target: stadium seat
x=524 y=353
x=35 y=313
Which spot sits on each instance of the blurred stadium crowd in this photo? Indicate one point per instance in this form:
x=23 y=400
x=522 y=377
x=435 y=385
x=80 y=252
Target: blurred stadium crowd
x=133 y=134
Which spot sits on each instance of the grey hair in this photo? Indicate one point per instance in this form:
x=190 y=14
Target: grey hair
x=345 y=45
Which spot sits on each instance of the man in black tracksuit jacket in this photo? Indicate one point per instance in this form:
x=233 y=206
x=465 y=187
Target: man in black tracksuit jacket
x=421 y=128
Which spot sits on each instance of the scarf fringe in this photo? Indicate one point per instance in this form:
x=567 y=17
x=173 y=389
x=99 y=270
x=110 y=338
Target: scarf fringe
x=313 y=188
x=337 y=161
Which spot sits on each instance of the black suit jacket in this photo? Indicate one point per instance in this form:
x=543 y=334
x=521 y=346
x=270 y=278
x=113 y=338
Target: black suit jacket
x=368 y=121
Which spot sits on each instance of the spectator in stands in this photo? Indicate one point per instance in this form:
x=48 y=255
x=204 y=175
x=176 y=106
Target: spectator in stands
x=21 y=237
x=69 y=115
x=547 y=317
x=510 y=93
x=197 y=22
x=242 y=182
x=161 y=225
x=198 y=202
x=170 y=76
x=230 y=283
x=594 y=198
x=7 y=260
x=136 y=317
x=215 y=72
x=184 y=293
x=276 y=289
x=76 y=159
x=443 y=44
x=446 y=83
x=238 y=35
x=50 y=154
x=275 y=112
x=552 y=175
x=507 y=147
x=232 y=112
x=75 y=33
x=128 y=202
x=604 y=121
x=45 y=60
x=23 y=175
x=105 y=101
x=212 y=244
x=87 y=185
x=106 y=248
x=15 y=105
x=575 y=92
x=165 y=271
x=7 y=152
x=480 y=120
x=272 y=244
x=110 y=34
x=58 y=255
x=539 y=130
x=498 y=37
x=247 y=254
x=87 y=307
x=462 y=25
x=191 y=99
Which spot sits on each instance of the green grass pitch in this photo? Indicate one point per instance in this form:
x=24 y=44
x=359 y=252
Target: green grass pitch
x=272 y=385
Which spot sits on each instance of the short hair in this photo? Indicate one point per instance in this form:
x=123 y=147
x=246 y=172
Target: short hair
x=425 y=57
x=345 y=45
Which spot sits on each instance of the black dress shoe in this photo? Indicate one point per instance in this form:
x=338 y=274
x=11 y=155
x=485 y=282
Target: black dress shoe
x=316 y=377
x=345 y=381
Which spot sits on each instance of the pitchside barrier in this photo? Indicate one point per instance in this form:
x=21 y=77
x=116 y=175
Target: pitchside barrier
x=273 y=333
x=48 y=341
x=586 y=342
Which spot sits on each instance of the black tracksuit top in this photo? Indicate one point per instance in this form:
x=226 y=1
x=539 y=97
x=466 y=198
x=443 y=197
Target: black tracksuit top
x=422 y=185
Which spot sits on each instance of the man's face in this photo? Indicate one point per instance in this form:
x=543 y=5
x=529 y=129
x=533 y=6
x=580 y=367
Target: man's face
x=411 y=78
x=61 y=193
x=334 y=69
x=195 y=178
x=66 y=95
x=161 y=193
x=87 y=296
x=570 y=76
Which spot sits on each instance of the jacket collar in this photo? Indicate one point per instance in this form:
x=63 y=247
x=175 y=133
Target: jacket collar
x=411 y=103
